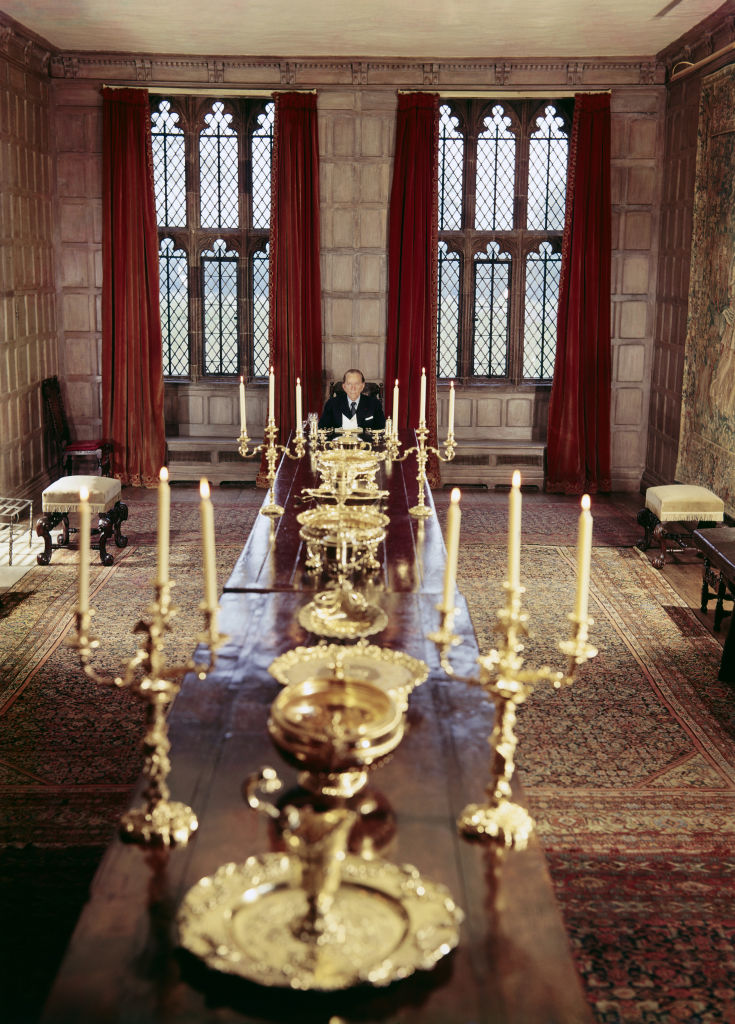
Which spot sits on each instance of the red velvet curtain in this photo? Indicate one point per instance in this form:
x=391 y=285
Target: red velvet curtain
x=295 y=279
x=578 y=452
x=412 y=263
x=132 y=361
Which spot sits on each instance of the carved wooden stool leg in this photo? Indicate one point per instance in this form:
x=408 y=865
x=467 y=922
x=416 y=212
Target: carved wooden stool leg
x=105 y=527
x=44 y=525
x=119 y=515
x=649 y=522
x=659 y=535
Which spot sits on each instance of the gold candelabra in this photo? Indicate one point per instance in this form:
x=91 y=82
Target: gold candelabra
x=508 y=684
x=422 y=449
x=160 y=821
x=272 y=449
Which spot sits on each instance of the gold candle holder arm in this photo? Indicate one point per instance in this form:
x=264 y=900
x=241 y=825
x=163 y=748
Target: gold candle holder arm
x=421 y=510
x=272 y=450
x=160 y=821
x=508 y=684
x=243 y=446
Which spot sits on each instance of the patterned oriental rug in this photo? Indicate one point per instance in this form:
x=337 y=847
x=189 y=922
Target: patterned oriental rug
x=630 y=772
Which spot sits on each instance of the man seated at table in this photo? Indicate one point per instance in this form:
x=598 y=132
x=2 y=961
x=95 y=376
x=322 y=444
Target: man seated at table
x=351 y=409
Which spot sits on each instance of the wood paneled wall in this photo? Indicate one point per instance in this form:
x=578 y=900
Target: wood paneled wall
x=28 y=321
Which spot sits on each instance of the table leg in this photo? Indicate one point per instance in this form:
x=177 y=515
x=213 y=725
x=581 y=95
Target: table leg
x=719 y=608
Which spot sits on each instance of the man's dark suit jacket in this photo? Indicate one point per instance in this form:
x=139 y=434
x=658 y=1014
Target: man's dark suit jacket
x=370 y=415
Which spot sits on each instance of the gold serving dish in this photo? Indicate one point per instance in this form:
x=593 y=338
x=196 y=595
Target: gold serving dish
x=338 y=537
x=352 y=466
x=335 y=729
x=387 y=922
x=393 y=671
x=341 y=612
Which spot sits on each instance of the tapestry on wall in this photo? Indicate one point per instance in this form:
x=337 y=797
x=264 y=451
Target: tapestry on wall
x=707 y=434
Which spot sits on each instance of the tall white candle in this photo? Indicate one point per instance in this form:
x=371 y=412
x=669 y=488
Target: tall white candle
x=584 y=556
x=243 y=424
x=450 y=418
x=299 y=415
x=454 y=517
x=514 y=532
x=271 y=395
x=84 y=531
x=422 y=399
x=394 y=410
x=164 y=515
x=209 y=558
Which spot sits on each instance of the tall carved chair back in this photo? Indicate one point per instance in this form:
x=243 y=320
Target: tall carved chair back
x=62 y=449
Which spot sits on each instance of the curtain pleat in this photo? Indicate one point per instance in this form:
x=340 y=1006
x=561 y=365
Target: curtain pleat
x=412 y=264
x=132 y=360
x=295 y=278
x=578 y=451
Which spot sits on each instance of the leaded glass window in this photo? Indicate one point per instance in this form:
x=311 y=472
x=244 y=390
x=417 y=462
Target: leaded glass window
x=174 y=296
x=502 y=193
x=496 y=167
x=543 y=271
x=261 y=313
x=218 y=170
x=448 y=311
x=492 y=292
x=547 y=173
x=262 y=149
x=219 y=304
x=212 y=177
x=451 y=155
x=169 y=163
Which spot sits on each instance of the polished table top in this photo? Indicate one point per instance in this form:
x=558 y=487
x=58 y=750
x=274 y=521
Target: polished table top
x=412 y=554
x=512 y=965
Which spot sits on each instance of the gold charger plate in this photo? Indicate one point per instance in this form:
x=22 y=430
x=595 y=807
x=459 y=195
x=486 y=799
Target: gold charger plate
x=340 y=624
x=394 y=671
x=388 y=923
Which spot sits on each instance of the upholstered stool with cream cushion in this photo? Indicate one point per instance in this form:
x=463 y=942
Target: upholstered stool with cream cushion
x=685 y=505
x=63 y=497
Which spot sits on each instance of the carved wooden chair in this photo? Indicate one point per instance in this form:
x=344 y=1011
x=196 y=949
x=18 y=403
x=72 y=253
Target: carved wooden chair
x=62 y=448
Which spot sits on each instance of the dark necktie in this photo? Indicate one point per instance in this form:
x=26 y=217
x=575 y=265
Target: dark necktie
x=353 y=409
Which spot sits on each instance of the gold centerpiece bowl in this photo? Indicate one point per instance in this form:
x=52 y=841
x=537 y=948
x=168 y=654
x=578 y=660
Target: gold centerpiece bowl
x=393 y=671
x=349 y=466
x=342 y=538
x=335 y=730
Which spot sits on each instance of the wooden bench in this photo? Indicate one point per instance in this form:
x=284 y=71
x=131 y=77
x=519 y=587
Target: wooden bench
x=673 y=512
x=63 y=497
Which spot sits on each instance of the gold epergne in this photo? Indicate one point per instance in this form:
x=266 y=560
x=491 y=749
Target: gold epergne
x=343 y=541
x=271 y=450
x=316 y=918
x=421 y=510
x=160 y=821
x=318 y=840
x=508 y=685
x=335 y=730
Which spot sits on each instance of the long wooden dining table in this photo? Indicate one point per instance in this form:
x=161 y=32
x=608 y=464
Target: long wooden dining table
x=512 y=965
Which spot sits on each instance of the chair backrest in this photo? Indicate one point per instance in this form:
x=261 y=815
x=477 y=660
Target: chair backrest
x=372 y=388
x=57 y=423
